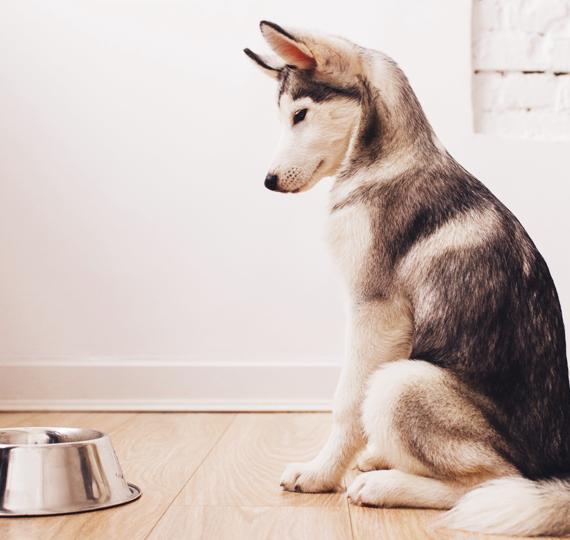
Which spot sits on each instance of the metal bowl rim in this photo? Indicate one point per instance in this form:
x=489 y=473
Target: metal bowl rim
x=102 y=436
x=136 y=493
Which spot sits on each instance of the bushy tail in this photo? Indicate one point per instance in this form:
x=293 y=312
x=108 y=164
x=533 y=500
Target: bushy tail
x=514 y=506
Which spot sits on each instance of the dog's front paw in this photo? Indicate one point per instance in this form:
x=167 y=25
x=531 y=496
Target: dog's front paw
x=367 y=489
x=307 y=478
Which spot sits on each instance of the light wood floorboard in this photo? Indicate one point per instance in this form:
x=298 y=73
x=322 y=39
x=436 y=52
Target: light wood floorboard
x=253 y=523
x=216 y=476
x=13 y=419
x=245 y=466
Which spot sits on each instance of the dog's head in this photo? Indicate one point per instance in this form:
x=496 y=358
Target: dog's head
x=319 y=104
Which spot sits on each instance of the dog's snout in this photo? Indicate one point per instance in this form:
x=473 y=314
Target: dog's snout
x=271 y=182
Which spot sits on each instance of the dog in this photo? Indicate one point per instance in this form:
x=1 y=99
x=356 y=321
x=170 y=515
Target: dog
x=454 y=392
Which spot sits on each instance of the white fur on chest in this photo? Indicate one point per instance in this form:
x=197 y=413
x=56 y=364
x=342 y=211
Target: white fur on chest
x=350 y=237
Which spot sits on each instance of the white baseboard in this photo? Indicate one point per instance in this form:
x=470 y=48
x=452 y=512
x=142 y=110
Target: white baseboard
x=168 y=384
x=172 y=405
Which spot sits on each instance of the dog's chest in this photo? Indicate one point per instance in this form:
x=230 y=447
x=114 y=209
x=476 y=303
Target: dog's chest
x=351 y=241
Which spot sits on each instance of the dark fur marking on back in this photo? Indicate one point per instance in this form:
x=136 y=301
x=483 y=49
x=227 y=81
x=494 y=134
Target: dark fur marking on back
x=414 y=205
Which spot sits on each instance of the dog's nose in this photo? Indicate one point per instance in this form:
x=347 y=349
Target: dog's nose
x=271 y=182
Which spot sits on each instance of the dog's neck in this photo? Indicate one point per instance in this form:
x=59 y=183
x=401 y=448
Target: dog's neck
x=392 y=136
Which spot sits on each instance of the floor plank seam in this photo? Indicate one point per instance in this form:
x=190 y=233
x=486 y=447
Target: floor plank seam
x=350 y=519
x=190 y=477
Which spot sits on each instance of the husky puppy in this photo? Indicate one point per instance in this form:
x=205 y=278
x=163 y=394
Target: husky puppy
x=454 y=393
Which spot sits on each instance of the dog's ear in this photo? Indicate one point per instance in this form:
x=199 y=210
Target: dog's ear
x=272 y=65
x=294 y=52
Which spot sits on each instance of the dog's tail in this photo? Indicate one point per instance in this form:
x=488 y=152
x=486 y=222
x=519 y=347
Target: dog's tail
x=514 y=506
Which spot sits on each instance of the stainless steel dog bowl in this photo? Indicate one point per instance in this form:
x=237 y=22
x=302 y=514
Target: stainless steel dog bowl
x=47 y=471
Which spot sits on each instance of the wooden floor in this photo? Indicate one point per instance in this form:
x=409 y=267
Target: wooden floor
x=216 y=476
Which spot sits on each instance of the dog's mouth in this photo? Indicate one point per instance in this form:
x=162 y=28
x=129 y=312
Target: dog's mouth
x=311 y=182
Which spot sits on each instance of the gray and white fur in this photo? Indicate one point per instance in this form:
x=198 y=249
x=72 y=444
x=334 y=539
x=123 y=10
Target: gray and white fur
x=454 y=393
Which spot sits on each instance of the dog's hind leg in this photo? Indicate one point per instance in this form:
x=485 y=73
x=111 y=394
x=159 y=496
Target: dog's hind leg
x=426 y=426
x=395 y=488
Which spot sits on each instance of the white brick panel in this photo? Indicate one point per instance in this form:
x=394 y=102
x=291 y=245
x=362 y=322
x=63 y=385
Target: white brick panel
x=500 y=51
x=536 y=16
x=498 y=91
x=563 y=97
x=561 y=54
x=529 y=16
x=488 y=15
x=521 y=62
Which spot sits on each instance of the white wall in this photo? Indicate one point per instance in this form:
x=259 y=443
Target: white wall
x=134 y=226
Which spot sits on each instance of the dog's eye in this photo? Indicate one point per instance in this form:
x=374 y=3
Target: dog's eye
x=299 y=116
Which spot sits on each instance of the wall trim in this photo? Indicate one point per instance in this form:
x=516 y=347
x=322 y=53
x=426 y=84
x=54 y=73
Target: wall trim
x=162 y=405
x=303 y=383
